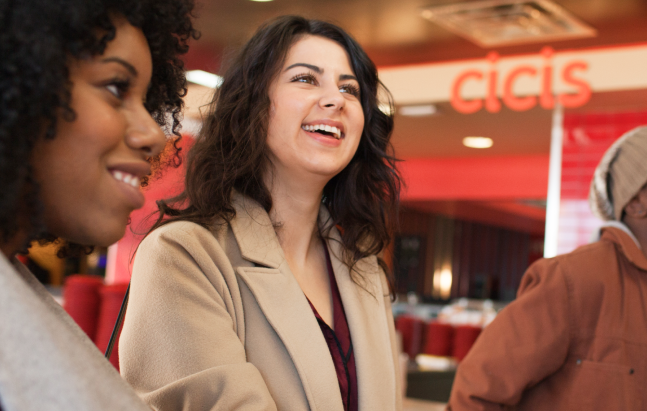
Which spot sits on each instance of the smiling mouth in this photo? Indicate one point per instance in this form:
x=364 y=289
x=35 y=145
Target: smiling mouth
x=329 y=131
x=125 y=178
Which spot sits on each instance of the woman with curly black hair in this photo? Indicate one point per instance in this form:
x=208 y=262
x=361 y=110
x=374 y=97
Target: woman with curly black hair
x=259 y=288
x=84 y=87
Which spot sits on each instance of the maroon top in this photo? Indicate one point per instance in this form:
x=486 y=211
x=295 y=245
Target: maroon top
x=340 y=344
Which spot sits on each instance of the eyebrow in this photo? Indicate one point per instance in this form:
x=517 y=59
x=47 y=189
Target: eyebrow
x=319 y=70
x=316 y=69
x=124 y=63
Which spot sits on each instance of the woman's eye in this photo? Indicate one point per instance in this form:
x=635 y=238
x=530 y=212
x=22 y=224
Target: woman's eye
x=112 y=88
x=118 y=88
x=304 y=78
x=350 y=89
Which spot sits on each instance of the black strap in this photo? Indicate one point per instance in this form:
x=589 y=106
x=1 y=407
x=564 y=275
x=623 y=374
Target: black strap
x=120 y=320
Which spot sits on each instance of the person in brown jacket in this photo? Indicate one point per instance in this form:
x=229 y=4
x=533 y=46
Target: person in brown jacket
x=576 y=336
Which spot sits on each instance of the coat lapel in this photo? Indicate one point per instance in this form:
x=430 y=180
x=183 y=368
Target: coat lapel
x=364 y=306
x=286 y=308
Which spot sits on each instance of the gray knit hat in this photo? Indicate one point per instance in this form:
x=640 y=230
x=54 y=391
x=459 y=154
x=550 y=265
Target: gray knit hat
x=621 y=174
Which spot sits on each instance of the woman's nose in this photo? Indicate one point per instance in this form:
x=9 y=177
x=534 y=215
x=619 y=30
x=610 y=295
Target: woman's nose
x=144 y=134
x=333 y=98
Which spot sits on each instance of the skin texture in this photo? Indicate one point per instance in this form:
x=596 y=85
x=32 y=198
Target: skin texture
x=112 y=130
x=636 y=218
x=303 y=162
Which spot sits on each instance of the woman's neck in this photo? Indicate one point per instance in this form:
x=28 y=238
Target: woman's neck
x=8 y=251
x=295 y=210
x=10 y=248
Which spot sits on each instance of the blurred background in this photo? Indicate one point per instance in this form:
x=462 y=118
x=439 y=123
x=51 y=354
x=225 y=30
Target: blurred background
x=503 y=108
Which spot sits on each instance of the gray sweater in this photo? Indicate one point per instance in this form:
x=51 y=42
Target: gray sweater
x=46 y=361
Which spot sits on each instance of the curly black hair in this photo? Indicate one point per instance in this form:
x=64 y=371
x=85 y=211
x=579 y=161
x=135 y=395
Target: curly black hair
x=37 y=40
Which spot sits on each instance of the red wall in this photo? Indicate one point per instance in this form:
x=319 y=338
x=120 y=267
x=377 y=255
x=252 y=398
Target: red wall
x=478 y=178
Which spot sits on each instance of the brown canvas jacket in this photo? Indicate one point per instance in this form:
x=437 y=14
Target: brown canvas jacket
x=574 y=339
x=216 y=321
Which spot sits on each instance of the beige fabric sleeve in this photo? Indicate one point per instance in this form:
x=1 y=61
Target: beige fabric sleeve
x=181 y=345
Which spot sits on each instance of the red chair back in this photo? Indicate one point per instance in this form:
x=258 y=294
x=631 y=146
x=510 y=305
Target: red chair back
x=440 y=338
x=464 y=338
x=412 y=330
x=81 y=300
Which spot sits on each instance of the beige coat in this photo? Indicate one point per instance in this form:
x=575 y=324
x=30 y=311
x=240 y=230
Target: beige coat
x=574 y=339
x=216 y=321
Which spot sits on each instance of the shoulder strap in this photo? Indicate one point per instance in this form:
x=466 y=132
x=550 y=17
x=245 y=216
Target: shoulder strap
x=120 y=320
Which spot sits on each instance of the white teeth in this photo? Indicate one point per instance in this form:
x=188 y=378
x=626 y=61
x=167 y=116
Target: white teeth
x=126 y=178
x=323 y=127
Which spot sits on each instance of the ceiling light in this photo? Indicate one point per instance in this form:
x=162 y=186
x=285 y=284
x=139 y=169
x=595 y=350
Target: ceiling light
x=262 y=1
x=477 y=142
x=203 y=78
x=418 y=110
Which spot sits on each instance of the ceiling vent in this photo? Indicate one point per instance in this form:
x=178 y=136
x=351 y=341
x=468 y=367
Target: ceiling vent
x=492 y=23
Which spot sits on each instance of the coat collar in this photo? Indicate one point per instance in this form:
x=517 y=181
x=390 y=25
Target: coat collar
x=255 y=233
x=627 y=243
x=283 y=303
x=286 y=308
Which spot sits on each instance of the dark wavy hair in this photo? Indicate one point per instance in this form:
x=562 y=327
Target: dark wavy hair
x=37 y=40
x=231 y=151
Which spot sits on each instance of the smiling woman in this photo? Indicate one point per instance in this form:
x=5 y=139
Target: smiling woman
x=103 y=151
x=84 y=88
x=260 y=287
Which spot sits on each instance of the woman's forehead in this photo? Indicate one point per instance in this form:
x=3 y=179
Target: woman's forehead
x=318 y=51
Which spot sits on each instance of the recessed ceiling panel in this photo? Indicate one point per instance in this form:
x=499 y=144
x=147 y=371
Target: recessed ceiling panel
x=493 y=23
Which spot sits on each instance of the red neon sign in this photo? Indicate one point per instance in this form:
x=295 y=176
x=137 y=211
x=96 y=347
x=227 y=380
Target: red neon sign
x=546 y=98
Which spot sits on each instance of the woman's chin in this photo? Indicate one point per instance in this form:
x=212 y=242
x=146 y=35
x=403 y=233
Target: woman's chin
x=98 y=236
x=320 y=169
